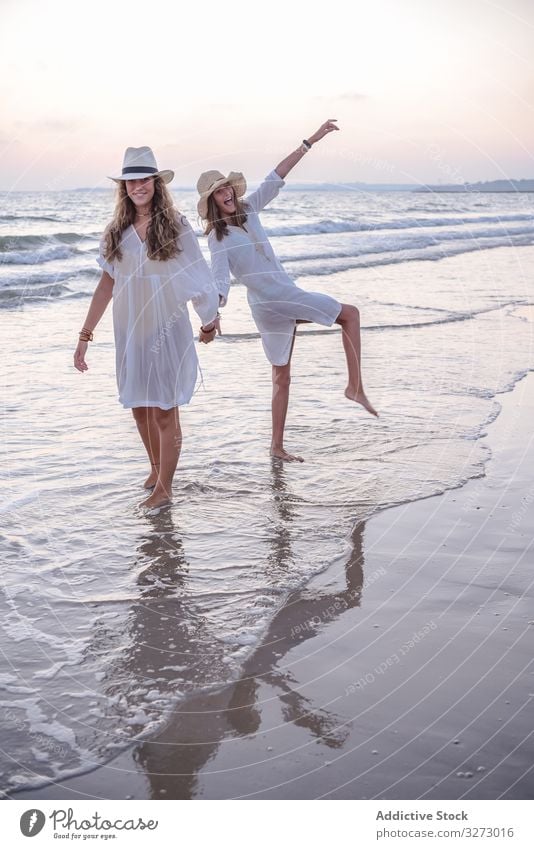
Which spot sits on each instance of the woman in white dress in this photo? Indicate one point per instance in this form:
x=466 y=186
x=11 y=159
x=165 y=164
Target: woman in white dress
x=152 y=266
x=239 y=246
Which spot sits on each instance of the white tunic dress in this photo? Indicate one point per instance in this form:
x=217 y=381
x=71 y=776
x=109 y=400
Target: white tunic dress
x=276 y=302
x=156 y=359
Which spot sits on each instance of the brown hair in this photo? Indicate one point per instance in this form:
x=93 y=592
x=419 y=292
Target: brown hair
x=220 y=225
x=162 y=232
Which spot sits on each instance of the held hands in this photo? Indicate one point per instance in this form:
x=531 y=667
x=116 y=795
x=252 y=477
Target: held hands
x=328 y=127
x=79 y=357
x=209 y=337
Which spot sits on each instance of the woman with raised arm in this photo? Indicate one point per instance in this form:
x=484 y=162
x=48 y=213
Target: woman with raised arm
x=152 y=266
x=239 y=246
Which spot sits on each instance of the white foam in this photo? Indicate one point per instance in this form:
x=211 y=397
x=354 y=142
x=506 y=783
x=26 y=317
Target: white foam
x=467 y=222
x=36 y=257
x=14 y=503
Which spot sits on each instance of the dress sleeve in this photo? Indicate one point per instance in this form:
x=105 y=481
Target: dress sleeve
x=206 y=298
x=266 y=192
x=103 y=263
x=220 y=267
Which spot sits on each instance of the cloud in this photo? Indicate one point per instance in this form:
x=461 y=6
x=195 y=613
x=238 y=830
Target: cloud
x=49 y=126
x=352 y=95
x=349 y=95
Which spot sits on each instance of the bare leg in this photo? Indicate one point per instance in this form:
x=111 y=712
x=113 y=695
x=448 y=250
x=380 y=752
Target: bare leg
x=349 y=319
x=148 y=430
x=170 y=442
x=281 y=383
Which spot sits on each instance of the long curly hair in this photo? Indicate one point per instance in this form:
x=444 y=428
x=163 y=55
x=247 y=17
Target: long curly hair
x=220 y=225
x=162 y=232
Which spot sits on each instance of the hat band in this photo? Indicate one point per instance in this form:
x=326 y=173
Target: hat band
x=139 y=169
x=226 y=180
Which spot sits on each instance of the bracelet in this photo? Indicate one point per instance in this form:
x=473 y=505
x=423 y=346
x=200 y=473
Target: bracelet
x=306 y=144
x=86 y=335
x=203 y=329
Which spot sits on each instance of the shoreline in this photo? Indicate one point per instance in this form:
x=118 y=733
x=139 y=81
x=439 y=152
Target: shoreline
x=325 y=706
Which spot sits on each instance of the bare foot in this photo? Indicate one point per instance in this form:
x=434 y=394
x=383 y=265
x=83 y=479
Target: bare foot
x=151 y=480
x=159 y=498
x=281 y=454
x=360 y=398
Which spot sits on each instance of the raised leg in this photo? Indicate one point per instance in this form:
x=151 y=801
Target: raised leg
x=349 y=320
x=170 y=442
x=148 y=430
x=280 y=401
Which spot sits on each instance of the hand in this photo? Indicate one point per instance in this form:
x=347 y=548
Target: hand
x=328 y=127
x=79 y=357
x=209 y=337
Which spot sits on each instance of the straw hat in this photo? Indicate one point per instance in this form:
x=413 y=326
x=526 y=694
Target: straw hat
x=140 y=162
x=210 y=181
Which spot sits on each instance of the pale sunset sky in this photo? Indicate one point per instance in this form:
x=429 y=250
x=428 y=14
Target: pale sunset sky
x=424 y=90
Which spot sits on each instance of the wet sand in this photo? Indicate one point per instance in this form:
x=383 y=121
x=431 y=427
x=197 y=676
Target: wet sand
x=403 y=671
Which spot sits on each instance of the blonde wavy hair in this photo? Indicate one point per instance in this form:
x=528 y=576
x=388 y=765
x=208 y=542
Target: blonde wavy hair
x=162 y=232
x=220 y=225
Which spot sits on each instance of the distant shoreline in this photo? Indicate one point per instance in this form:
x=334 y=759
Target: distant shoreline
x=490 y=187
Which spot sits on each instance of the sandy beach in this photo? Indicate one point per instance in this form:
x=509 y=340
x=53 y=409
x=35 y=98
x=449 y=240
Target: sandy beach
x=403 y=671
x=327 y=627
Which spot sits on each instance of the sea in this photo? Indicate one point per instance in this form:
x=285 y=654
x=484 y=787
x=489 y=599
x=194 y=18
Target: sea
x=111 y=617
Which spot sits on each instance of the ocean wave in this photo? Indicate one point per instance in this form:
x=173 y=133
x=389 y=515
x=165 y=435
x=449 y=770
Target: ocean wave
x=433 y=251
x=23 y=278
x=37 y=256
x=21 y=294
x=402 y=223
x=28 y=218
x=25 y=242
x=25 y=286
x=377 y=245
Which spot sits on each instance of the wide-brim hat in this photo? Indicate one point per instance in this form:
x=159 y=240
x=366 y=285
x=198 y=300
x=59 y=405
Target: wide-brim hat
x=140 y=162
x=210 y=181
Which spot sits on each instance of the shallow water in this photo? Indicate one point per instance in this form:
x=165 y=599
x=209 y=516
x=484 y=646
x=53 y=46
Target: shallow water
x=49 y=240
x=111 y=616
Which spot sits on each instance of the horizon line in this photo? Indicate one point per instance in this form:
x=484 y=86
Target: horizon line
x=311 y=185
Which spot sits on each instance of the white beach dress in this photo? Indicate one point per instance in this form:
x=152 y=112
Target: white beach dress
x=276 y=302
x=156 y=358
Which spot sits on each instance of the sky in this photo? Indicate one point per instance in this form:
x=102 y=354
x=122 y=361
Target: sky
x=423 y=90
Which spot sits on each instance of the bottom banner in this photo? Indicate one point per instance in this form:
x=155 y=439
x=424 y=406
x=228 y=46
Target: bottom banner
x=237 y=824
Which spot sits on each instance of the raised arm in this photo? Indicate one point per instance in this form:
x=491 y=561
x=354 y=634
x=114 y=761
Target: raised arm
x=284 y=167
x=274 y=181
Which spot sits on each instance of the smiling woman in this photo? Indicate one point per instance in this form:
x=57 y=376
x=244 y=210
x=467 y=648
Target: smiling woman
x=152 y=265
x=239 y=246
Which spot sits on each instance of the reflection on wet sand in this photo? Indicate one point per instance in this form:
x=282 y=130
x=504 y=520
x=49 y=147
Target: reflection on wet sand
x=168 y=647
x=200 y=724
